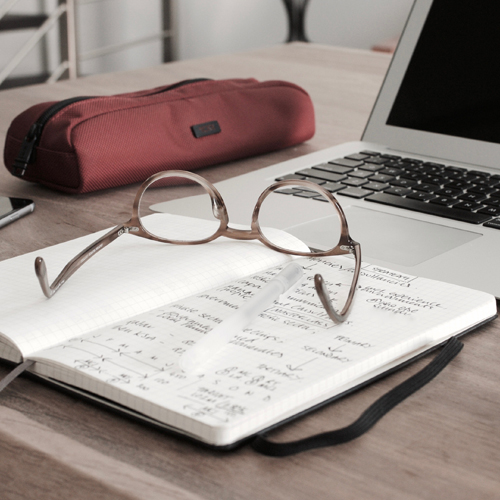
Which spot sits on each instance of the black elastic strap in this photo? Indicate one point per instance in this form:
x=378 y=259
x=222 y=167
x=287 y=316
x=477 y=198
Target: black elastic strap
x=15 y=373
x=369 y=417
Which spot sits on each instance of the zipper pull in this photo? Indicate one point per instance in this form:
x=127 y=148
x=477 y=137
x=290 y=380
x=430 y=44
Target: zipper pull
x=26 y=154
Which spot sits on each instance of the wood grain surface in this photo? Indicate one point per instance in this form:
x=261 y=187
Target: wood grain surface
x=443 y=442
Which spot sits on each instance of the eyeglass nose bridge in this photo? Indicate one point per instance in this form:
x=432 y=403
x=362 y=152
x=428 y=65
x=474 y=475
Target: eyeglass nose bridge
x=242 y=234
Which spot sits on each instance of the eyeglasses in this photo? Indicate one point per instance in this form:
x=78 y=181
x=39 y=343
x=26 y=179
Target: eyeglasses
x=333 y=223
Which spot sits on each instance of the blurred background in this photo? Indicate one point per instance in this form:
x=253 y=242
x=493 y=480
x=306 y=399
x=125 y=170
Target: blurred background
x=44 y=40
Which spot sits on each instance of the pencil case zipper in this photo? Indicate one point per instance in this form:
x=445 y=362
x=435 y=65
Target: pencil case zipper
x=27 y=152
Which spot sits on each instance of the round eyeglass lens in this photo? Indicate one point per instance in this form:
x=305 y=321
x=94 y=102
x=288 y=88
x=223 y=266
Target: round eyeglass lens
x=307 y=218
x=179 y=224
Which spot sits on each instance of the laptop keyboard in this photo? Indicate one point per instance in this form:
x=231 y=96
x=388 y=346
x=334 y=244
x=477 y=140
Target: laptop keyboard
x=447 y=191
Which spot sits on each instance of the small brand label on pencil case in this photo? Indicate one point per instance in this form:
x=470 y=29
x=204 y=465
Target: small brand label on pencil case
x=204 y=129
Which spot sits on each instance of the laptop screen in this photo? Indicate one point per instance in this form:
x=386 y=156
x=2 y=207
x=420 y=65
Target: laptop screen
x=452 y=83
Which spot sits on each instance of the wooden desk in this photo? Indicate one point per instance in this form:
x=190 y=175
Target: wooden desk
x=443 y=442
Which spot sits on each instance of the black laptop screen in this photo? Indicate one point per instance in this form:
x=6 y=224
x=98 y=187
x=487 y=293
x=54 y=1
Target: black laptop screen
x=452 y=84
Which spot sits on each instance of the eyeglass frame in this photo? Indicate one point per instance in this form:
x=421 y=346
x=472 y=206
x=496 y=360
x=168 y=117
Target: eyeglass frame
x=134 y=226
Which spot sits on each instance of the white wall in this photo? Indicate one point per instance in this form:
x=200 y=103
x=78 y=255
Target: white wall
x=221 y=26
x=10 y=42
x=205 y=27
x=104 y=23
x=100 y=23
x=218 y=26
x=356 y=23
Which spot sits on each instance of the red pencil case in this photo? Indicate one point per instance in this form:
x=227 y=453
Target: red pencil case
x=85 y=144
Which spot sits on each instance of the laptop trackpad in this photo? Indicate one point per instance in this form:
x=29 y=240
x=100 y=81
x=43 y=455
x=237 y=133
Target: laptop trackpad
x=399 y=240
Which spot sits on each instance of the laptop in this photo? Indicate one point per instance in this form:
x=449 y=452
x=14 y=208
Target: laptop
x=421 y=190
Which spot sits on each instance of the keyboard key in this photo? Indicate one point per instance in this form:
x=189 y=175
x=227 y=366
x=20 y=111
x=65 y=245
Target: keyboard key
x=398 y=191
x=434 y=166
x=334 y=187
x=354 y=181
x=468 y=205
x=391 y=171
x=420 y=195
x=495 y=224
x=413 y=161
x=306 y=194
x=403 y=183
x=493 y=202
x=345 y=162
x=448 y=192
x=428 y=188
x=381 y=177
x=434 y=179
x=445 y=201
x=417 y=175
x=371 y=167
x=414 y=176
x=376 y=159
x=471 y=177
x=378 y=186
x=451 y=174
x=428 y=208
x=429 y=169
x=474 y=197
x=321 y=174
x=362 y=174
x=397 y=164
x=288 y=190
x=290 y=176
x=487 y=182
x=358 y=156
x=494 y=211
x=458 y=170
x=355 y=192
x=462 y=185
x=482 y=189
x=336 y=169
x=480 y=173
x=316 y=181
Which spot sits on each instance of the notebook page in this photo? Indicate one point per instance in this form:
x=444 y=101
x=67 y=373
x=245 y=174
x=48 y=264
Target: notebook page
x=129 y=276
x=287 y=360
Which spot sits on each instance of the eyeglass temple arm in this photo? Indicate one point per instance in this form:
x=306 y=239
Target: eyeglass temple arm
x=74 y=264
x=324 y=296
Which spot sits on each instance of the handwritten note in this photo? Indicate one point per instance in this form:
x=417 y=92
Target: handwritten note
x=290 y=355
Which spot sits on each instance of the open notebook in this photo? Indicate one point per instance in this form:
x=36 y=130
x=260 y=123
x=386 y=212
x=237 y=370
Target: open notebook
x=117 y=328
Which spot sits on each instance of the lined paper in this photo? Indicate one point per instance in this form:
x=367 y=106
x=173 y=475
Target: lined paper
x=290 y=358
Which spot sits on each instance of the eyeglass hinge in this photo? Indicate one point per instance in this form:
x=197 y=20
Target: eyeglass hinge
x=127 y=230
x=347 y=248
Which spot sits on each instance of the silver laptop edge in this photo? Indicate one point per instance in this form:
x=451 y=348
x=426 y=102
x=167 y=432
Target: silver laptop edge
x=438 y=146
